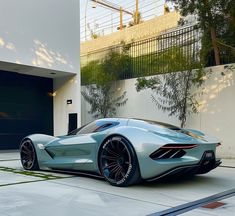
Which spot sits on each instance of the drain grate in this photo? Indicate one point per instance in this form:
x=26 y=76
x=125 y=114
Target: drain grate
x=180 y=209
x=213 y=205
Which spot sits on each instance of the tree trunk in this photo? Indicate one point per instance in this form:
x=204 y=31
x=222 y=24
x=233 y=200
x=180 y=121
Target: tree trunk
x=215 y=47
x=183 y=122
x=213 y=36
x=187 y=88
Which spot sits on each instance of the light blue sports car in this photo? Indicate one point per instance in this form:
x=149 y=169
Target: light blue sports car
x=123 y=151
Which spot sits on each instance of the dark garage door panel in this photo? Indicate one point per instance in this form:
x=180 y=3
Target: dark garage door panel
x=26 y=107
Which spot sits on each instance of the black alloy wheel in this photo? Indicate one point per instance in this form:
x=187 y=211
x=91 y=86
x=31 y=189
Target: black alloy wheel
x=28 y=155
x=118 y=162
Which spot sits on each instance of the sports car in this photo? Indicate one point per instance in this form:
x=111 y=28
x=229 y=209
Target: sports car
x=123 y=151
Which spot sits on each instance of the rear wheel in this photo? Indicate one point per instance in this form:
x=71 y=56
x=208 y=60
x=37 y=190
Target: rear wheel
x=28 y=155
x=118 y=162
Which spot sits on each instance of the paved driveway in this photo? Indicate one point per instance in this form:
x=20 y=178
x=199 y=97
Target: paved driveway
x=46 y=193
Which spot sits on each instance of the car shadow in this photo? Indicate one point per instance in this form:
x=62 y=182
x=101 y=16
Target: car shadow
x=179 y=181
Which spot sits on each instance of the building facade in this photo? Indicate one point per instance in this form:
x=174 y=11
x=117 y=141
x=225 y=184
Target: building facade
x=39 y=68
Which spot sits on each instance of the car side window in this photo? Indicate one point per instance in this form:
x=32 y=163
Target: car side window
x=89 y=128
x=106 y=126
x=74 y=132
x=96 y=126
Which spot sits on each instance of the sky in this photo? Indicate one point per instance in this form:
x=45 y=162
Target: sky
x=104 y=21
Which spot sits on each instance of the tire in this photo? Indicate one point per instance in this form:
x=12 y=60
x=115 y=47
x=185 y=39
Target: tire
x=118 y=162
x=28 y=155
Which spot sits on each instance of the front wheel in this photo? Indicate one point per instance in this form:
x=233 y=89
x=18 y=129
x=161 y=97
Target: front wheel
x=28 y=155
x=118 y=162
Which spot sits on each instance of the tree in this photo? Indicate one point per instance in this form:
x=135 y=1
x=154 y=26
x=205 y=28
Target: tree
x=216 y=19
x=92 y=72
x=136 y=19
x=93 y=33
x=117 y=62
x=99 y=77
x=103 y=100
x=173 y=91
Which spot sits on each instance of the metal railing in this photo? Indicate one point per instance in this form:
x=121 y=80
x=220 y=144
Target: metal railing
x=156 y=55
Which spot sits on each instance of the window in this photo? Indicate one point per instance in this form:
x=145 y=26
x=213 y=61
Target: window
x=95 y=126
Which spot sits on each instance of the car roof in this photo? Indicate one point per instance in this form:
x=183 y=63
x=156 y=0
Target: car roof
x=153 y=122
x=163 y=124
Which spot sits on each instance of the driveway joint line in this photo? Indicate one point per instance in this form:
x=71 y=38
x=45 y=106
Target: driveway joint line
x=27 y=173
x=33 y=181
x=5 y=160
x=24 y=182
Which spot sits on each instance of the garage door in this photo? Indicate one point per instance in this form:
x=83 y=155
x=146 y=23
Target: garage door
x=26 y=107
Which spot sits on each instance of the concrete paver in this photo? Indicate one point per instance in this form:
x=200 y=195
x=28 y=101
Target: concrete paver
x=45 y=198
x=11 y=178
x=228 y=162
x=9 y=155
x=16 y=164
x=165 y=193
x=88 y=196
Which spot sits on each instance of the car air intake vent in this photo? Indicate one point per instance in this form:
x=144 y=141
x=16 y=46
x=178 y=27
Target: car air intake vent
x=167 y=153
x=171 y=151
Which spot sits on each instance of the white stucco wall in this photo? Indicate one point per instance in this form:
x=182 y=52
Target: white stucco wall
x=145 y=30
x=139 y=105
x=42 y=38
x=41 y=33
x=67 y=88
x=217 y=110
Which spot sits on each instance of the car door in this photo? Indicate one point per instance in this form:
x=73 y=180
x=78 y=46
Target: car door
x=78 y=150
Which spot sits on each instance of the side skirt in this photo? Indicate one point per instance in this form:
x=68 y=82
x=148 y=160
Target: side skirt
x=72 y=172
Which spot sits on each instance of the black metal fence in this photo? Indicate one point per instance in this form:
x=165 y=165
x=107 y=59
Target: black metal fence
x=167 y=52
x=155 y=55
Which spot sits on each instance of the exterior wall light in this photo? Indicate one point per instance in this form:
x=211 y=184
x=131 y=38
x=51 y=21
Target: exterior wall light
x=69 y=102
